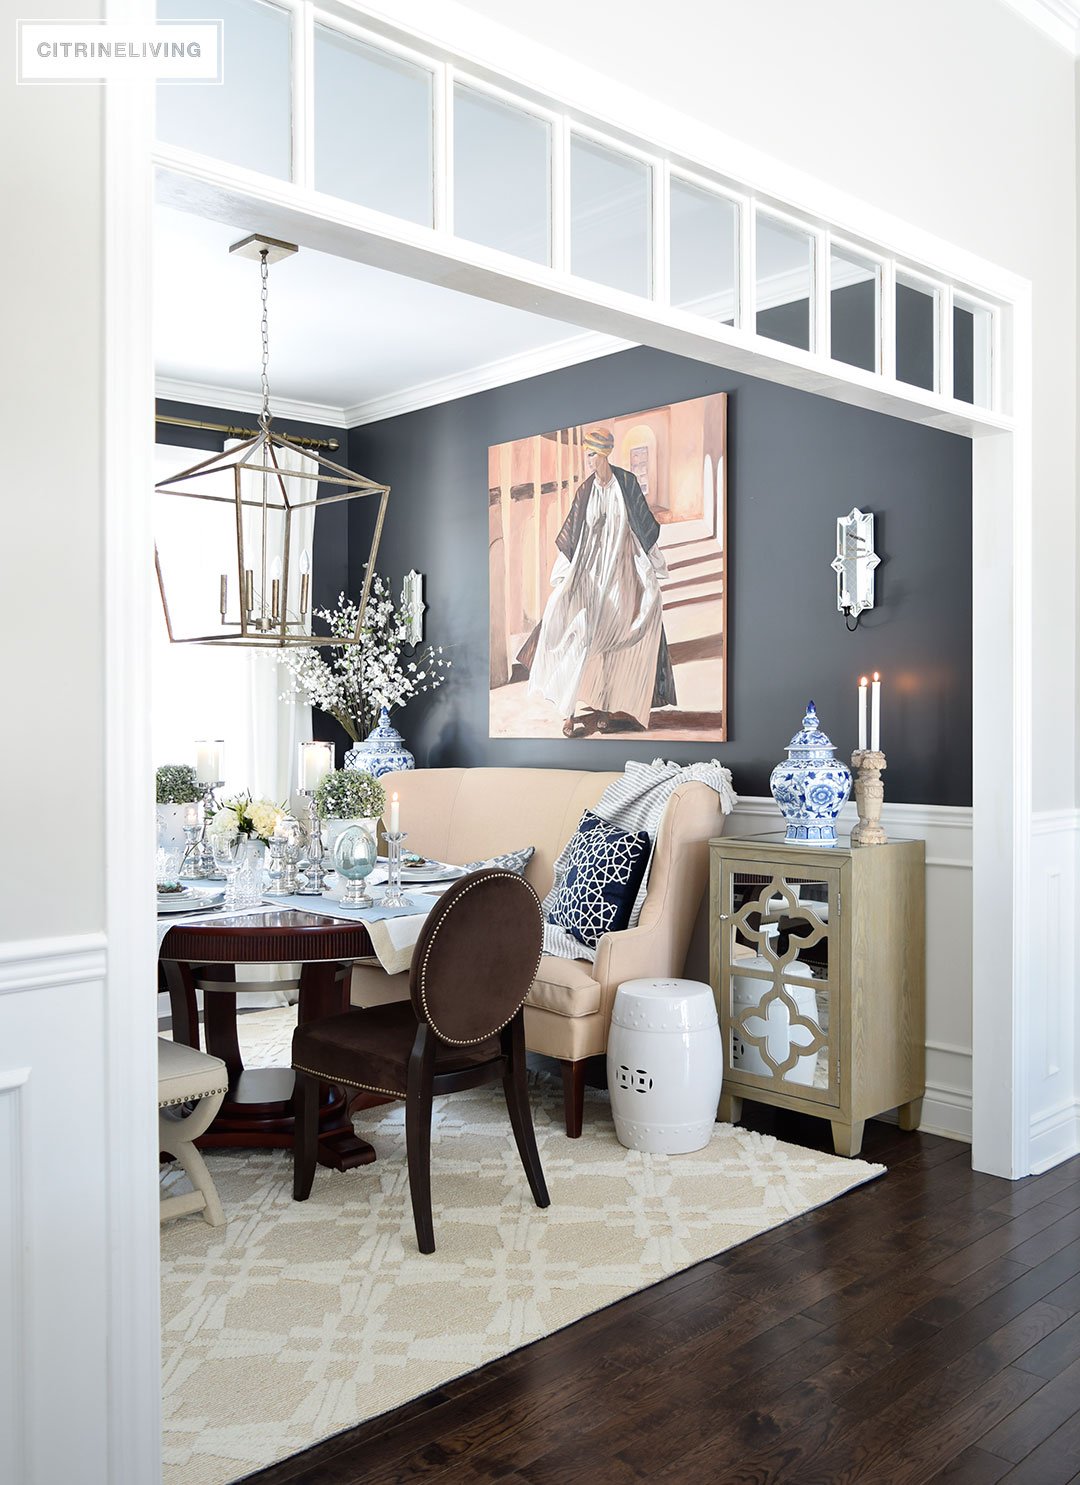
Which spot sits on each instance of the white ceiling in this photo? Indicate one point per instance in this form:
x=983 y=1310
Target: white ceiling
x=343 y=337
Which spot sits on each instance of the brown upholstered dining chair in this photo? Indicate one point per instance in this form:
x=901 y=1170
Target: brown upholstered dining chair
x=462 y=1025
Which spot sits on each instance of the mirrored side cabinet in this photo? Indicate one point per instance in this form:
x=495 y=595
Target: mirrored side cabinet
x=818 y=967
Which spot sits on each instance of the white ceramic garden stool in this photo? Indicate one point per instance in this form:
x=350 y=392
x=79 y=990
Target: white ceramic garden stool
x=664 y=1063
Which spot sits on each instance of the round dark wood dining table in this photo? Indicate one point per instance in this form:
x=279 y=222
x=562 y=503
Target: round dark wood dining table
x=258 y=1109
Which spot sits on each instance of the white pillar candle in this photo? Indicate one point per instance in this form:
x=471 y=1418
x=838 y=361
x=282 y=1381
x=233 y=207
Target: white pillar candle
x=862 y=714
x=875 y=714
x=316 y=761
x=208 y=758
x=394 y=823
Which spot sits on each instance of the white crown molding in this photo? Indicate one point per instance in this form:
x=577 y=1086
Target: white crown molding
x=1058 y=19
x=501 y=373
x=231 y=399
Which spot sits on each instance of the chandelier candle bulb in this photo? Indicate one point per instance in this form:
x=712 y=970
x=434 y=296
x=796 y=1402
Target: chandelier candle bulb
x=223 y=600
x=275 y=599
x=305 y=583
x=875 y=714
x=863 y=684
x=394 y=823
x=249 y=590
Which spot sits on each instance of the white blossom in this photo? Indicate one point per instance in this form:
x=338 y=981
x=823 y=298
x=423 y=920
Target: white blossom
x=351 y=682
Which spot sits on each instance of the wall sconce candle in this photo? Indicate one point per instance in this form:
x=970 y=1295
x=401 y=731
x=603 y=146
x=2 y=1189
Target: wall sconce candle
x=854 y=565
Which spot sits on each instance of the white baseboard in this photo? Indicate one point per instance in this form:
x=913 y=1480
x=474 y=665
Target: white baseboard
x=1055 y=1136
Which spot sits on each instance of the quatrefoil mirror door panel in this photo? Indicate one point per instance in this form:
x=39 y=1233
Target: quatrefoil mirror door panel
x=779 y=977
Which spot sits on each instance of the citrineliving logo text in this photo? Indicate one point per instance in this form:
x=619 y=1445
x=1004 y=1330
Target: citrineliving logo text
x=97 y=51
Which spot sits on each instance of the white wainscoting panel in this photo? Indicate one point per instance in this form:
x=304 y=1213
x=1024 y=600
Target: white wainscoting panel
x=947 y=833
x=53 y=1269
x=1053 y=1046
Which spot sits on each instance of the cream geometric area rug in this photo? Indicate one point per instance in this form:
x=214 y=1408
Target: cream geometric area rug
x=299 y=1319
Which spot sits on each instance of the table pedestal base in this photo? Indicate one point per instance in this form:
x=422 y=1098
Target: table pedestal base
x=257 y=1112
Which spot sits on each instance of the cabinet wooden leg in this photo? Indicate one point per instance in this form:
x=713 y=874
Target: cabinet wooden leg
x=730 y=1110
x=910 y=1114
x=847 y=1138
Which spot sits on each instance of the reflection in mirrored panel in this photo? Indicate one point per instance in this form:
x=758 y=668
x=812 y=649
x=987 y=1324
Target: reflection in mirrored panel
x=854 y=309
x=247 y=118
x=972 y=356
x=373 y=127
x=784 y=271
x=610 y=203
x=502 y=175
x=916 y=333
x=704 y=251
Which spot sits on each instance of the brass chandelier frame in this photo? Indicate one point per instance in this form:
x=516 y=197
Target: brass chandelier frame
x=265 y=617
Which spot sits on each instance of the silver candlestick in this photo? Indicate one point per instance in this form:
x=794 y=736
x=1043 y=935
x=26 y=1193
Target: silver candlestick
x=393 y=896
x=202 y=856
x=314 y=875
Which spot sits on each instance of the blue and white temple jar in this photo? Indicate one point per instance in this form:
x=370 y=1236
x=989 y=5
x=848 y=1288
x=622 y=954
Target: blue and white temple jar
x=812 y=787
x=382 y=751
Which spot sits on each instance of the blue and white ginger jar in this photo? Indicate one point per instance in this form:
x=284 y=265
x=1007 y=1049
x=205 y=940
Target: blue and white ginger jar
x=812 y=787
x=382 y=751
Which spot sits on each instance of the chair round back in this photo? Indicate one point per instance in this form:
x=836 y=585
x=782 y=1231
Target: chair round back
x=477 y=956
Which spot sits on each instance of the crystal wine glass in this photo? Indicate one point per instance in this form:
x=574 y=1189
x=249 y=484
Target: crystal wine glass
x=355 y=854
x=228 y=854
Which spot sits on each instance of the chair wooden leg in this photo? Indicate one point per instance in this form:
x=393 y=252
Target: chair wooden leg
x=573 y=1085
x=516 y=1089
x=418 y=1135
x=305 y=1134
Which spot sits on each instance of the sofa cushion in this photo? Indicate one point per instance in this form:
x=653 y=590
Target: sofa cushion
x=565 y=987
x=598 y=879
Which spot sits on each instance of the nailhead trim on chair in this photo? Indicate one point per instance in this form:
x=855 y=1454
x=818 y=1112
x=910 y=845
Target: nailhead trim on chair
x=318 y=1072
x=190 y=1097
x=459 y=1041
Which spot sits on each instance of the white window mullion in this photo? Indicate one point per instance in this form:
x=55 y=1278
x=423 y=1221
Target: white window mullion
x=661 y=232
x=821 y=273
x=303 y=95
x=944 y=347
x=442 y=150
x=888 y=319
x=746 y=278
x=560 y=194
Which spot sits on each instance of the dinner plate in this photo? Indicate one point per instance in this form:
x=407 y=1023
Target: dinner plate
x=429 y=871
x=187 y=899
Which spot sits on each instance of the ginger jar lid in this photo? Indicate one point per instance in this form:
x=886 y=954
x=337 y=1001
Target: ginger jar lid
x=810 y=738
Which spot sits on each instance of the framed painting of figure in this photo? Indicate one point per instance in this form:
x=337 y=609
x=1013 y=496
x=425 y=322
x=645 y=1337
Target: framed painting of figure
x=607 y=566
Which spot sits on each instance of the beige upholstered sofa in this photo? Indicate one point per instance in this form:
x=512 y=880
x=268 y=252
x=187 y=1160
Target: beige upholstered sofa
x=470 y=814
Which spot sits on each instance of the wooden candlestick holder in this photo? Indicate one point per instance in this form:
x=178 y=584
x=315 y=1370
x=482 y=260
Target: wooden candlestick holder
x=869 y=765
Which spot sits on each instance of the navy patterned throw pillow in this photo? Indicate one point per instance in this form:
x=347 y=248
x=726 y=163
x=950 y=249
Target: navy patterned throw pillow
x=602 y=870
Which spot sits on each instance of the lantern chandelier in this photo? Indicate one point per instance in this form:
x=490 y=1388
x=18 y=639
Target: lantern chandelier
x=258 y=591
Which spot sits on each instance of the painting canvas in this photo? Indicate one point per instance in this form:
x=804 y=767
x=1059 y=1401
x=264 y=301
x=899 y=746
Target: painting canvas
x=608 y=592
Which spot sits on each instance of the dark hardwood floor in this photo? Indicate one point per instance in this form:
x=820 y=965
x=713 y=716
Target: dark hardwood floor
x=923 y=1328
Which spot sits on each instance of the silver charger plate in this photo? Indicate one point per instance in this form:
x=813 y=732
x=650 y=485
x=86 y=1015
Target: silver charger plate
x=426 y=872
x=187 y=900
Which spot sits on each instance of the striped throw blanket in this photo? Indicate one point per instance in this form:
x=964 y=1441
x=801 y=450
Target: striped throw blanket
x=636 y=801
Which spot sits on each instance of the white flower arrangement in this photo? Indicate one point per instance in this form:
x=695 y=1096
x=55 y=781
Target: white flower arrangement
x=353 y=683
x=243 y=815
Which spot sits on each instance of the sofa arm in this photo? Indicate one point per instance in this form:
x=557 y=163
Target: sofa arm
x=640 y=953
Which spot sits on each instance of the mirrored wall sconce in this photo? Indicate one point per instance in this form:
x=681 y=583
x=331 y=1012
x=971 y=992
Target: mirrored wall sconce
x=412 y=601
x=854 y=565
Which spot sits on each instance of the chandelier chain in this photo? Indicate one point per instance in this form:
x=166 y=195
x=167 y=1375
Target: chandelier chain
x=264 y=416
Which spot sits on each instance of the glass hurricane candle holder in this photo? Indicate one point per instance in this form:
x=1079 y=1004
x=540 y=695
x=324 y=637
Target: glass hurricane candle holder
x=355 y=854
x=394 y=896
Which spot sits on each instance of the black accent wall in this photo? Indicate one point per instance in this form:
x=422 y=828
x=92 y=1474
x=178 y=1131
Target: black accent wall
x=796 y=462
